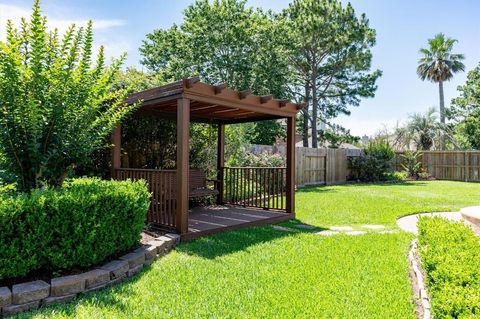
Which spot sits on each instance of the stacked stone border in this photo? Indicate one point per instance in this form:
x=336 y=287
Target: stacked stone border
x=422 y=301
x=34 y=294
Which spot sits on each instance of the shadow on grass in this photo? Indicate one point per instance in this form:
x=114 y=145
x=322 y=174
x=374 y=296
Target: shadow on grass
x=233 y=241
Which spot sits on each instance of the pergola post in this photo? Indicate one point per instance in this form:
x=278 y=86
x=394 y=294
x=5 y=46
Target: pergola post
x=290 y=165
x=220 y=162
x=116 y=151
x=183 y=128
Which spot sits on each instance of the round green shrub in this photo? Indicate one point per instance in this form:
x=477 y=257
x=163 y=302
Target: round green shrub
x=80 y=225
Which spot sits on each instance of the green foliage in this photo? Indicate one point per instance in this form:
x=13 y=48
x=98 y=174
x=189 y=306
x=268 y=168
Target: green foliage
x=450 y=256
x=423 y=131
x=411 y=163
x=80 y=225
x=438 y=63
x=380 y=149
x=236 y=141
x=337 y=136
x=223 y=41
x=397 y=176
x=263 y=160
x=376 y=164
x=265 y=133
x=330 y=72
x=56 y=108
x=465 y=110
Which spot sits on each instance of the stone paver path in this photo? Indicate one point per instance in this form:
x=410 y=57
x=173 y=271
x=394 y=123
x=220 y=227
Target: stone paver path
x=327 y=233
x=409 y=223
x=281 y=228
x=355 y=232
x=341 y=228
x=305 y=226
x=373 y=226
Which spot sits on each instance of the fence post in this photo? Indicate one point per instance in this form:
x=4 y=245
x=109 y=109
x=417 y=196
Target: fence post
x=467 y=168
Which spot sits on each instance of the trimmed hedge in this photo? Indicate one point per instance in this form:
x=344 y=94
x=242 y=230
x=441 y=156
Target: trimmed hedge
x=450 y=254
x=80 y=225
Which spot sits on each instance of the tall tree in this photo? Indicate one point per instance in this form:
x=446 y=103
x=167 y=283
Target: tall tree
x=465 y=110
x=223 y=41
x=56 y=106
x=328 y=51
x=438 y=64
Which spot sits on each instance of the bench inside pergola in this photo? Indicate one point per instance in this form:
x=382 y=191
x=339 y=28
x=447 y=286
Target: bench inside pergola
x=245 y=195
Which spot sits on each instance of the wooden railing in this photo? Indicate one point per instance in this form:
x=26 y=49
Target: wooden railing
x=261 y=187
x=162 y=185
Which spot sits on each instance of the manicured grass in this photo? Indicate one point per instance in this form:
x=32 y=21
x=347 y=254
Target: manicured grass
x=263 y=273
x=267 y=273
x=382 y=203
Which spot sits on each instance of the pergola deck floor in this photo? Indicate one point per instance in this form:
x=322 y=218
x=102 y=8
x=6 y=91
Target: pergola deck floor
x=217 y=218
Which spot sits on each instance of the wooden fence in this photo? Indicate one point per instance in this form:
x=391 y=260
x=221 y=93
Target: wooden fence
x=322 y=165
x=449 y=165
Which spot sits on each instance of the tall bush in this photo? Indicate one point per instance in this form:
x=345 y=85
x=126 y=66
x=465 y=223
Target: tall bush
x=411 y=163
x=80 y=225
x=56 y=106
x=376 y=163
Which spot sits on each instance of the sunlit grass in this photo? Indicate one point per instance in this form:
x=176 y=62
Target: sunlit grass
x=267 y=273
x=382 y=203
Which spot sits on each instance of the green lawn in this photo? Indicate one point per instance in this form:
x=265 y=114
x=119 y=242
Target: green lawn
x=382 y=203
x=267 y=273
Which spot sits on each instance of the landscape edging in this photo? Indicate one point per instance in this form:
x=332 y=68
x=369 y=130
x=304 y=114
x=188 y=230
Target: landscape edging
x=32 y=295
x=422 y=301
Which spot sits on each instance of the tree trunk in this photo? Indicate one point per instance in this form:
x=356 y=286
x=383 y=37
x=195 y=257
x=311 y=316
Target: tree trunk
x=305 y=115
x=442 y=114
x=314 y=110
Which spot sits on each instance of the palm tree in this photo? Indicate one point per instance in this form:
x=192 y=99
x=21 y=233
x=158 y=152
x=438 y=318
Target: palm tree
x=438 y=65
x=424 y=131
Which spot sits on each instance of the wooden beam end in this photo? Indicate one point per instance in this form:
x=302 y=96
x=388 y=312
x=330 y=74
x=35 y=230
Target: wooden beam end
x=265 y=98
x=244 y=94
x=283 y=103
x=301 y=106
x=220 y=87
x=189 y=82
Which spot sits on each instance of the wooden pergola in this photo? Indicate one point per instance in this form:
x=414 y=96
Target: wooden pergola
x=189 y=100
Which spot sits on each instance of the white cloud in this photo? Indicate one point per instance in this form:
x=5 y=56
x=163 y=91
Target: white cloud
x=113 y=45
x=15 y=13
x=100 y=24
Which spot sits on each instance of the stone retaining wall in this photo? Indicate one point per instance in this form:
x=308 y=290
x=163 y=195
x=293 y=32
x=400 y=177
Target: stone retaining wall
x=422 y=300
x=31 y=295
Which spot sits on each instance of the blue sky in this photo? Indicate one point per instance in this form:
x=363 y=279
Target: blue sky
x=403 y=26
